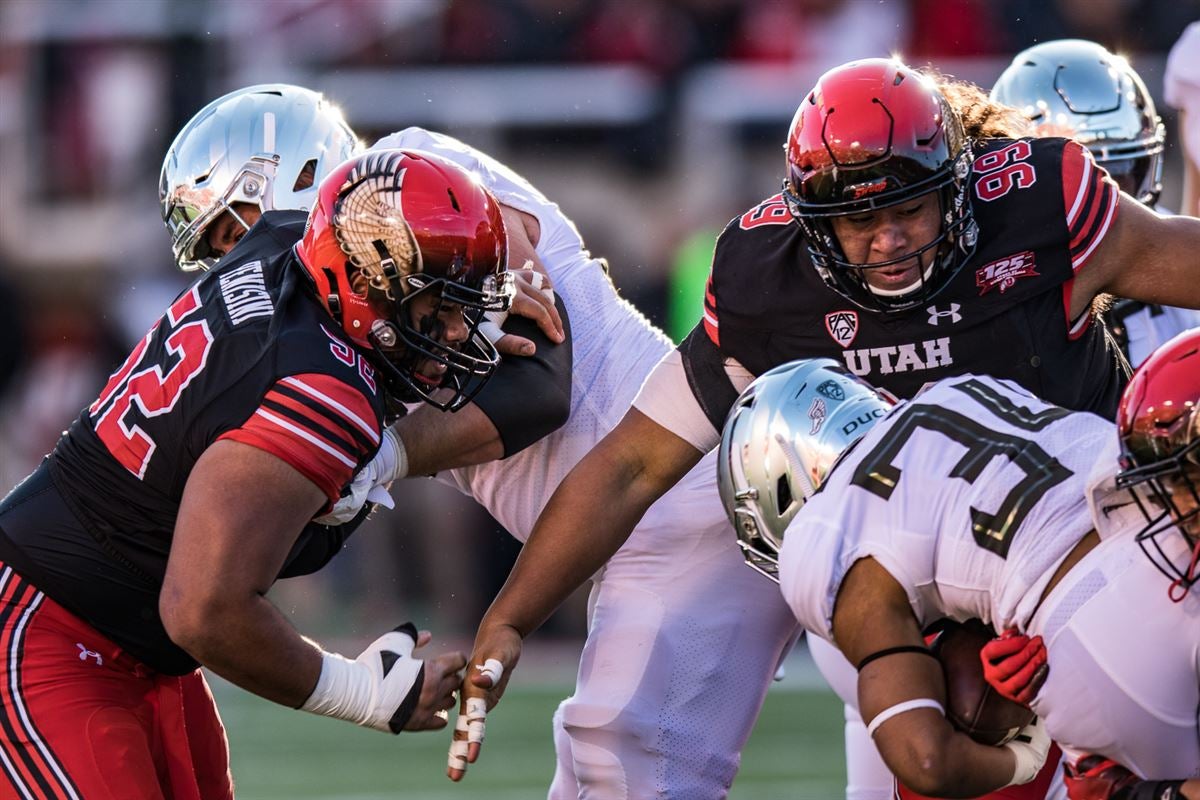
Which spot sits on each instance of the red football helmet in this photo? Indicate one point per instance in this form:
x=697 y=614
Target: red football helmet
x=871 y=134
x=389 y=226
x=1159 y=425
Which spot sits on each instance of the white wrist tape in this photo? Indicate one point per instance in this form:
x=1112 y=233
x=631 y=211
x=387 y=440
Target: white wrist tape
x=492 y=324
x=1030 y=749
x=392 y=459
x=378 y=690
x=901 y=708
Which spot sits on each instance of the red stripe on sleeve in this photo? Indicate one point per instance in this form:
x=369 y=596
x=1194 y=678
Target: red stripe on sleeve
x=711 y=325
x=295 y=433
x=1091 y=200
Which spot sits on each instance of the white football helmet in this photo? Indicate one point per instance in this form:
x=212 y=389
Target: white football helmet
x=781 y=439
x=1078 y=89
x=269 y=145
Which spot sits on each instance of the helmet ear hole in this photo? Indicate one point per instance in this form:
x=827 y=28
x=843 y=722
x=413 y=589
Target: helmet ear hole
x=783 y=495
x=306 y=177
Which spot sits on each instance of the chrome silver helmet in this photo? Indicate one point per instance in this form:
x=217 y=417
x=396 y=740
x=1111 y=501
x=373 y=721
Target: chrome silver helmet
x=1078 y=89
x=269 y=145
x=780 y=441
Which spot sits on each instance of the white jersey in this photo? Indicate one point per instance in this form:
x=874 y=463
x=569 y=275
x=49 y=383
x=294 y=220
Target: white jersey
x=614 y=346
x=970 y=495
x=1151 y=326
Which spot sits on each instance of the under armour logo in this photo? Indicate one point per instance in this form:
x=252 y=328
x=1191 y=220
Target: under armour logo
x=85 y=654
x=935 y=315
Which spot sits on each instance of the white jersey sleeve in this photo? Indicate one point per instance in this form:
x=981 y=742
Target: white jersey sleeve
x=1152 y=325
x=559 y=235
x=970 y=495
x=614 y=347
x=667 y=398
x=1181 y=86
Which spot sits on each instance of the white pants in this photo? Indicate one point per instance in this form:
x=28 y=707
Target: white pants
x=1124 y=661
x=867 y=777
x=683 y=640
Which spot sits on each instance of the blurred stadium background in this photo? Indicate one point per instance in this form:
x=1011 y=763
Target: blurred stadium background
x=652 y=122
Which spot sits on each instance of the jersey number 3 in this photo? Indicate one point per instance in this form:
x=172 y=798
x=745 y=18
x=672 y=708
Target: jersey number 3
x=992 y=531
x=153 y=388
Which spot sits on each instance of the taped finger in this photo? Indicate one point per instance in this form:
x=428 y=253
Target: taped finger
x=476 y=719
x=458 y=755
x=491 y=668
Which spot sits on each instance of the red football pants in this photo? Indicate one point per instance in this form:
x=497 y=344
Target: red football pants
x=80 y=719
x=1036 y=789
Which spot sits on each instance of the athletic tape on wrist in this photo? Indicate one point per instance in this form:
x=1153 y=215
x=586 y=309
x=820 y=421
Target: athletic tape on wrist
x=901 y=708
x=1029 y=756
x=398 y=468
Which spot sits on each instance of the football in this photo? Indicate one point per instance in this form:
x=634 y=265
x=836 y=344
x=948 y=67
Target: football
x=972 y=706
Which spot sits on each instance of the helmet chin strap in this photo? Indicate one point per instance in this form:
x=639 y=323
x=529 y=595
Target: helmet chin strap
x=905 y=290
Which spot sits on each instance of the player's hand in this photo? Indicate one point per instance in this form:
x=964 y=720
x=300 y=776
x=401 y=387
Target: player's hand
x=1095 y=778
x=443 y=679
x=386 y=688
x=496 y=652
x=534 y=300
x=1015 y=665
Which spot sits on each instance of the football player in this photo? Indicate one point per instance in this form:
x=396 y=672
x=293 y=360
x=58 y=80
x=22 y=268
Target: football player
x=142 y=547
x=903 y=248
x=698 y=713
x=1002 y=525
x=1181 y=89
x=1078 y=89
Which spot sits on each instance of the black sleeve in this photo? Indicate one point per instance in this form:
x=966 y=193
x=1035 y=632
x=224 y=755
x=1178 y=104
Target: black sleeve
x=704 y=365
x=530 y=397
x=318 y=544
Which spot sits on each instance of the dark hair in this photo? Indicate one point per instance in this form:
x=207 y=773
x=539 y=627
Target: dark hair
x=982 y=117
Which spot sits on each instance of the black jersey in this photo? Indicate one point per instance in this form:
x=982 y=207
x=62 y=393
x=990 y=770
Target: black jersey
x=247 y=353
x=1042 y=207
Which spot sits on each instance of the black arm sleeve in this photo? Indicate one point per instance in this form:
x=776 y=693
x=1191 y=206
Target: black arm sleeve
x=318 y=544
x=705 y=368
x=530 y=397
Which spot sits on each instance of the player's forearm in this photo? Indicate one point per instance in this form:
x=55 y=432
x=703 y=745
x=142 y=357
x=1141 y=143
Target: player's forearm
x=583 y=525
x=588 y=518
x=438 y=440
x=249 y=643
x=951 y=765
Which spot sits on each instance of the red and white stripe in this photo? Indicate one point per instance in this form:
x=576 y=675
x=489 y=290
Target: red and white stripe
x=1101 y=213
x=31 y=769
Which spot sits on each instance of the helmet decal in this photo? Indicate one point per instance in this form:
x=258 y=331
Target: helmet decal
x=398 y=242
x=368 y=216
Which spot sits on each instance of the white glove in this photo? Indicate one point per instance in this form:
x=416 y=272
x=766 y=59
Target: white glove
x=1030 y=747
x=379 y=689
x=389 y=464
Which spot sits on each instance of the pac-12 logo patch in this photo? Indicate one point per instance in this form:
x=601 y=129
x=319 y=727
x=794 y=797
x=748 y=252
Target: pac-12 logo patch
x=831 y=390
x=1003 y=274
x=842 y=326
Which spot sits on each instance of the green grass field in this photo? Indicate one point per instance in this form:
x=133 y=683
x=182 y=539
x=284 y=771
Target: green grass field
x=794 y=753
